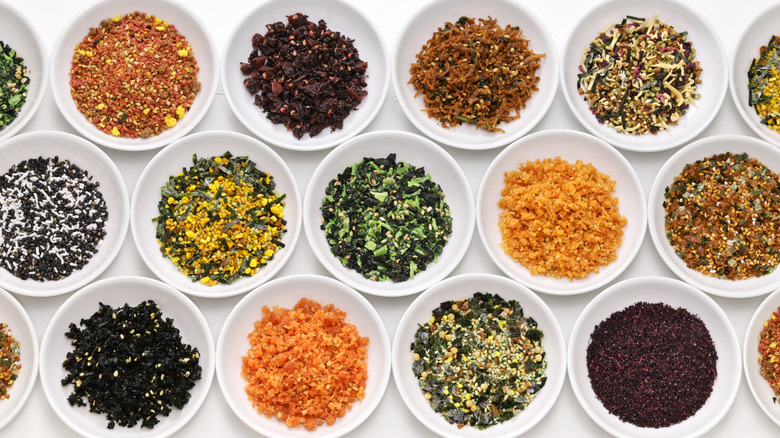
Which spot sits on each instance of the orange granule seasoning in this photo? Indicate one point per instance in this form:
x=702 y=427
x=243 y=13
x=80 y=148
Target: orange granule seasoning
x=306 y=364
x=560 y=219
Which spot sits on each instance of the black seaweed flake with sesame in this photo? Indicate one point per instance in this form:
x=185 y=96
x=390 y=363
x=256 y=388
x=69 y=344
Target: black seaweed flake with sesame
x=721 y=216
x=130 y=364
x=52 y=219
x=479 y=361
x=385 y=219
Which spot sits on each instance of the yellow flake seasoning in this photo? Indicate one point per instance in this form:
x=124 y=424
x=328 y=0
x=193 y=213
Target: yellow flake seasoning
x=220 y=220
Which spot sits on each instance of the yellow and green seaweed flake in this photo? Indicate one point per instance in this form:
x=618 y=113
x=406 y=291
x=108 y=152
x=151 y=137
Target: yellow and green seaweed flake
x=221 y=219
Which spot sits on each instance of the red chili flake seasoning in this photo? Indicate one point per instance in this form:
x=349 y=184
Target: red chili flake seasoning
x=309 y=77
x=134 y=76
x=769 y=353
x=652 y=365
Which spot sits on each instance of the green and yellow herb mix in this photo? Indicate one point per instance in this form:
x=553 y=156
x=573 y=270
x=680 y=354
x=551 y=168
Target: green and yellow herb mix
x=479 y=361
x=764 y=84
x=221 y=219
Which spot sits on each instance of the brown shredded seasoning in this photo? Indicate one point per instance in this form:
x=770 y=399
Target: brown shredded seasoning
x=721 y=216
x=560 y=219
x=477 y=73
x=134 y=76
x=306 y=365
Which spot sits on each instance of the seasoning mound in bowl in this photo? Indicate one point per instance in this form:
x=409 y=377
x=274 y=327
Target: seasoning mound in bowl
x=639 y=76
x=652 y=365
x=308 y=76
x=560 y=219
x=720 y=216
x=769 y=353
x=306 y=365
x=221 y=219
x=477 y=73
x=10 y=363
x=385 y=219
x=14 y=84
x=130 y=364
x=134 y=76
x=479 y=361
x=53 y=219
x=764 y=86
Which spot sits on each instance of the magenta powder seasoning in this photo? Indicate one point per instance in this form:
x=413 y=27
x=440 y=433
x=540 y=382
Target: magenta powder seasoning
x=652 y=365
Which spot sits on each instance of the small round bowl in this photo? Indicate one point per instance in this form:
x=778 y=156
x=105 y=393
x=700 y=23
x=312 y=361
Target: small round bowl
x=116 y=292
x=285 y=292
x=676 y=294
x=756 y=34
x=709 y=52
x=432 y=17
x=21 y=36
x=759 y=387
x=92 y=159
x=21 y=328
x=170 y=161
x=460 y=287
x=704 y=148
x=570 y=146
x=186 y=23
x=340 y=16
x=417 y=151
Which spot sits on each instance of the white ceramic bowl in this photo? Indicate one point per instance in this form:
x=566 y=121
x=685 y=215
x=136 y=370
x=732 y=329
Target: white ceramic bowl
x=340 y=16
x=465 y=286
x=433 y=16
x=20 y=327
x=417 y=151
x=286 y=292
x=18 y=33
x=186 y=23
x=169 y=162
x=755 y=35
x=92 y=159
x=709 y=52
x=698 y=150
x=759 y=387
x=570 y=146
x=116 y=292
x=676 y=294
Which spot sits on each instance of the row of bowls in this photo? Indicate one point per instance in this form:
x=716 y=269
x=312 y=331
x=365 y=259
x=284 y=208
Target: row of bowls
x=416 y=150
x=341 y=16
x=232 y=344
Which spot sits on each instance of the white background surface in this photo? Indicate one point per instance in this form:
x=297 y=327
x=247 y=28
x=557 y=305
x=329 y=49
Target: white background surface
x=392 y=419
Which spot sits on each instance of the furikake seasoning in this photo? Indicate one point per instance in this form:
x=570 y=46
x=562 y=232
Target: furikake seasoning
x=639 y=76
x=479 y=361
x=476 y=72
x=10 y=362
x=652 y=365
x=14 y=84
x=308 y=76
x=721 y=216
x=769 y=353
x=221 y=219
x=52 y=219
x=134 y=76
x=130 y=364
x=385 y=219
x=764 y=84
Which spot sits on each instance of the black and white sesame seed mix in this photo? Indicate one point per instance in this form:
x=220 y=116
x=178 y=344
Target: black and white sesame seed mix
x=52 y=218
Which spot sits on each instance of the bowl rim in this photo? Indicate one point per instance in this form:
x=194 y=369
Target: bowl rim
x=330 y=262
x=634 y=182
x=342 y=290
x=294 y=144
x=432 y=129
x=208 y=91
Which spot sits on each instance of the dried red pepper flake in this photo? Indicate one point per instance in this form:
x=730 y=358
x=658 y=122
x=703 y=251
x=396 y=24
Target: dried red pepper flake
x=134 y=76
x=308 y=77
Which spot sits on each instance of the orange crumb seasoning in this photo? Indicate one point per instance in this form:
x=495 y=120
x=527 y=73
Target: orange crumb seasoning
x=560 y=220
x=306 y=365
